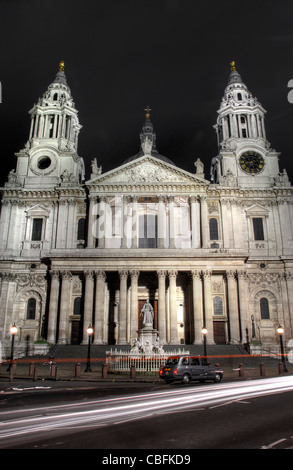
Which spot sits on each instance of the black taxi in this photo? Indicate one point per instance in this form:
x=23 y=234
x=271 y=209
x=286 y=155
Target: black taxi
x=186 y=368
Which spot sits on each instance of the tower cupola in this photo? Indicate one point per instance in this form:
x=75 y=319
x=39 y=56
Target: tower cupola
x=243 y=150
x=50 y=155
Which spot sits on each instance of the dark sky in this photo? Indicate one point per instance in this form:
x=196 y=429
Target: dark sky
x=121 y=55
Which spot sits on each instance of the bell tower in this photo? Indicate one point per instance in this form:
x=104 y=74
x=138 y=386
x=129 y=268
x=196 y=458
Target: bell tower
x=245 y=156
x=50 y=155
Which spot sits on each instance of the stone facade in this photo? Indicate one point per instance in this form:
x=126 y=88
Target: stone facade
x=215 y=252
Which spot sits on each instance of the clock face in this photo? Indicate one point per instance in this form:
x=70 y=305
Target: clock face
x=251 y=162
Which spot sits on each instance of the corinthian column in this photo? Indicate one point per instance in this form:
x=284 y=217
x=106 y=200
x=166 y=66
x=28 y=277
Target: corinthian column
x=88 y=304
x=197 y=306
x=91 y=229
x=195 y=222
x=162 y=307
x=208 y=311
x=233 y=306
x=161 y=222
x=243 y=304
x=173 y=307
x=171 y=223
x=64 y=303
x=134 y=304
x=122 y=308
x=53 y=307
x=100 y=307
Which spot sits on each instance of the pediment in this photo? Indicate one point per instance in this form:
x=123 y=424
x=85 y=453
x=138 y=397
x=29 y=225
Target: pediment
x=38 y=211
x=257 y=211
x=147 y=169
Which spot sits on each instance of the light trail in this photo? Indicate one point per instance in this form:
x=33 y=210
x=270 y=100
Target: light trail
x=73 y=417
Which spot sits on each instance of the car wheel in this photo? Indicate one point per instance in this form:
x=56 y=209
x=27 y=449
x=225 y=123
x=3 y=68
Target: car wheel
x=186 y=378
x=217 y=378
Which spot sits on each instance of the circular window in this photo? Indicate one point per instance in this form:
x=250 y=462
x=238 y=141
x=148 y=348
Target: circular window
x=44 y=163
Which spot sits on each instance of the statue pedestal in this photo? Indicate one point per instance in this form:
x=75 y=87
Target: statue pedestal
x=148 y=338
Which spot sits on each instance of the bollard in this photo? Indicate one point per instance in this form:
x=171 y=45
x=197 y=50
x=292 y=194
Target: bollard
x=132 y=372
x=281 y=368
x=31 y=368
x=77 y=369
x=104 y=371
x=262 y=370
x=56 y=373
x=35 y=377
x=53 y=369
x=241 y=370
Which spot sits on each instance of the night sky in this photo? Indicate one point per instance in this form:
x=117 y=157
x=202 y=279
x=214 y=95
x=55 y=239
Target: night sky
x=122 y=55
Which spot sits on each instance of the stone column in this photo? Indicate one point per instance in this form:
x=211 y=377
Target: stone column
x=243 y=304
x=208 y=310
x=161 y=223
x=64 y=304
x=204 y=222
x=102 y=222
x=53 y=307
x=233 y=306
x=122 y=308
x=88 y=304
x=195 y=222
x=100 y=307
x=171 y=222
x=162 y=326
x=134 y=241
x=92 y=226
x=173 y=307
x=197 y=306
x=124 y=221
x=134 y=305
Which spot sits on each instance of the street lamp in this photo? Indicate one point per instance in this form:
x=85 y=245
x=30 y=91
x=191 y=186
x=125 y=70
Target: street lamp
x=204 y=332
x=280 y=331
x=13 y=330
x=89 y=331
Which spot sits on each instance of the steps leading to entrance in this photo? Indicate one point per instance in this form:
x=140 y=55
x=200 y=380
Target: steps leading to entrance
x=225 y=355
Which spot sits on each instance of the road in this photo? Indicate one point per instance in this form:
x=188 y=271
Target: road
x=253 y=414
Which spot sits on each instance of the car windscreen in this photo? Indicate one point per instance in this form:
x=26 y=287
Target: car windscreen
x=172 y=361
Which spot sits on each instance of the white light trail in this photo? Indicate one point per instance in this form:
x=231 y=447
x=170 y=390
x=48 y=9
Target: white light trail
x=76 y=416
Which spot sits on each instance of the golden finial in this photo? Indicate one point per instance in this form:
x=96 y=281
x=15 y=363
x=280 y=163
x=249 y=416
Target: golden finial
x=147 y=109
x=233 y=66
x=61 y=66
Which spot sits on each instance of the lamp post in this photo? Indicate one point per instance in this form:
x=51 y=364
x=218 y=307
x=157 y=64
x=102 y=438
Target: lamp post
x=13 y=330
x=280 y=331
x=89 y=331
x=204 y=332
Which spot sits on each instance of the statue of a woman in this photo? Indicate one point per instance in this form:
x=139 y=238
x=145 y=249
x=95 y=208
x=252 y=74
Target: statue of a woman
x=148 y=314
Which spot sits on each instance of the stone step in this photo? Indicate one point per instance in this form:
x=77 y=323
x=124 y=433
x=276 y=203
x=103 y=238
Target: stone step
x=225 y=355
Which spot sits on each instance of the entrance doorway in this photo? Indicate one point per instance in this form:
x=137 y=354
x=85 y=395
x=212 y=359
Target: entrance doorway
x=219 y=332
x=75 y=332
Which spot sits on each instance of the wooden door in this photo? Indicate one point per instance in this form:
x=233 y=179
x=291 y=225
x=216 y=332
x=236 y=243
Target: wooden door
x=75 y=339
x=219 y=332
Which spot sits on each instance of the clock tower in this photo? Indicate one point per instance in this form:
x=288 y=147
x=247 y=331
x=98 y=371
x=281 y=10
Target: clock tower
x=245 y=157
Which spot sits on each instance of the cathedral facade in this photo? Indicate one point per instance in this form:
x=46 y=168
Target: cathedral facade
x=211 y=249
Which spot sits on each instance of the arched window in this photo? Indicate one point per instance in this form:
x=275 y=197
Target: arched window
x=264 y=309
x=31 y=309
x=214 y=234
x=218 y=306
